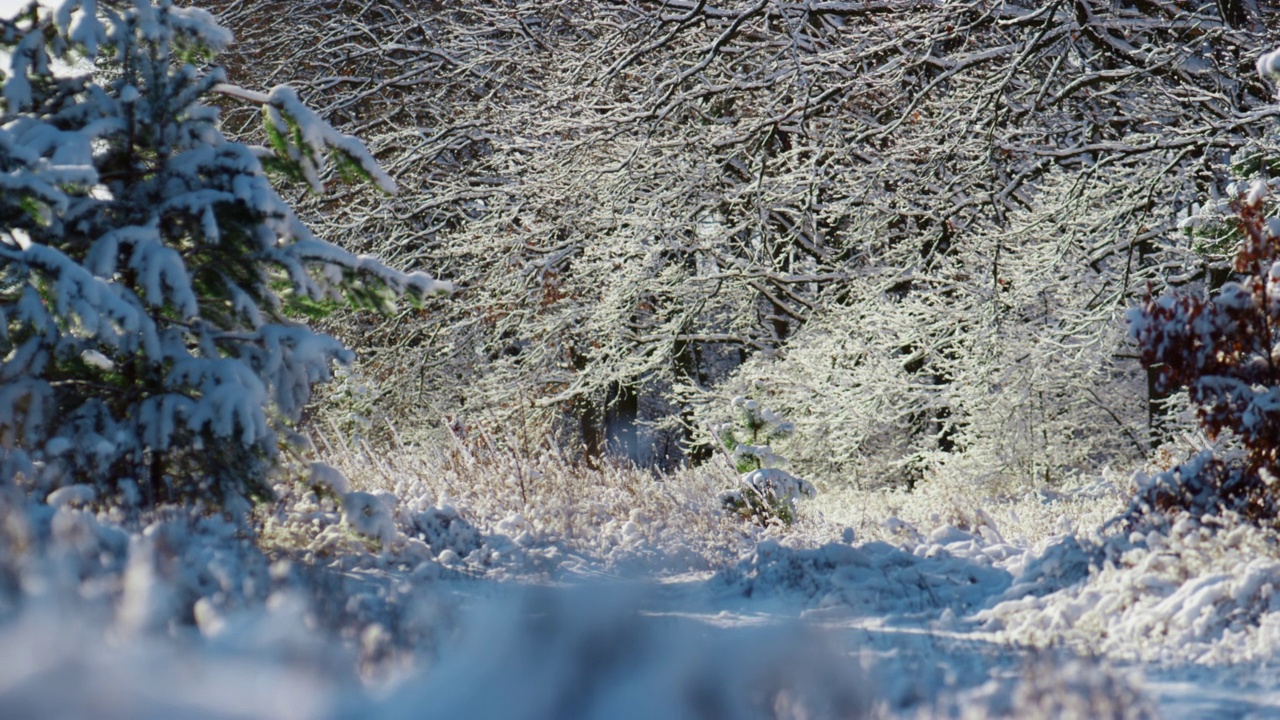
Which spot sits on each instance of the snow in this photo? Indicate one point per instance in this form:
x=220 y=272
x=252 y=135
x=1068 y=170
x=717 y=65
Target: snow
x=329 y=478
x=1257 y=192
x=71 y=494
x=1269 y=64
x=773 y=483
x=231 y=397
x=368 y=516
x=400 y=603
x=287 y=112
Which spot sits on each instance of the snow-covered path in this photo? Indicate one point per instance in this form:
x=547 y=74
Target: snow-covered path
x=880 y=643
x=189 y=617
x=633 y=648
x=600 y=648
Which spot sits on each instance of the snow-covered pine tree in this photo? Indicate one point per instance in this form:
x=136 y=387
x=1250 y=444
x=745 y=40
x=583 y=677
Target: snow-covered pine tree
x=765 y=492
x=147 y=265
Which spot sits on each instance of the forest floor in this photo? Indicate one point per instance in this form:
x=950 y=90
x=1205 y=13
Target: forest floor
x=632 y=599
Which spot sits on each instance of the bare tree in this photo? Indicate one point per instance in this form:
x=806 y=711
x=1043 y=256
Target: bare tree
x=950 y=200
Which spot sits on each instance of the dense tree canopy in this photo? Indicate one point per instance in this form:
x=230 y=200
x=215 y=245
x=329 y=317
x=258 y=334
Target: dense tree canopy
x=914 y=224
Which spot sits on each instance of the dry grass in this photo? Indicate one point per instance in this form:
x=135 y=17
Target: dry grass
x=614 y=513
x=609 y=512
x=1029 y=517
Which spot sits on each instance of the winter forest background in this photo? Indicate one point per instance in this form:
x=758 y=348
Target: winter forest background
x=602 y=358
x=913 y=227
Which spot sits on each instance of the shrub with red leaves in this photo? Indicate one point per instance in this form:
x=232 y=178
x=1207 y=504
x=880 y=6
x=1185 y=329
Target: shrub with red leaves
x=1224 y=350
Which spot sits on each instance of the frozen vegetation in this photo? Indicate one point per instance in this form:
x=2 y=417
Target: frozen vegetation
x=185 y=532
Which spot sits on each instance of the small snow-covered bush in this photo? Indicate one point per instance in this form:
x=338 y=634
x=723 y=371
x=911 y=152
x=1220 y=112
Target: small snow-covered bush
x=1223 y=349
x=765 y=493
x=148 y=268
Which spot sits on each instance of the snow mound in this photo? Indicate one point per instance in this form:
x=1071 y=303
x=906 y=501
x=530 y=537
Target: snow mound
x=369 y=516
x=53 y=665
x=1200 y=593
x=442 y=528
x=1065 y=562
x=876 y=576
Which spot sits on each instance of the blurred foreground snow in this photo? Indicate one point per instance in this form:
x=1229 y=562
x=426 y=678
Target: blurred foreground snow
x=435 y=617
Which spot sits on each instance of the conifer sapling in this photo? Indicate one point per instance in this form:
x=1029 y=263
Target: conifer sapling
x=765 y=492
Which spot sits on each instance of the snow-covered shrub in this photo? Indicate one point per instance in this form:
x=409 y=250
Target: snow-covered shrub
x=369 y=516
x=443 y=528
x=952 y=569
x=1223 y=349
x=460 y=498
x=148 y=266
x=765 y=493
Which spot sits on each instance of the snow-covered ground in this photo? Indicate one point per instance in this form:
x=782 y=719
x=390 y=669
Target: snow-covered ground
x=406 y=605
